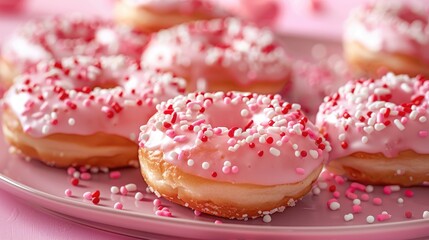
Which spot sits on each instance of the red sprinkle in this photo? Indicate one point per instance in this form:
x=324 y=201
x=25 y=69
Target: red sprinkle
x=74 y=181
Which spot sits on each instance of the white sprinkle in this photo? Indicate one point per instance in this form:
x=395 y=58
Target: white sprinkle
x=334 y=206
x=297 y=129
x=244 y=113
x=426 y=214
x=205 y=165
x=348 y=217
x=71 y=121
x=138 y=196
x=274 y=151
x=266 y=218
x=45 y=129
x=114 y=189
x=342 y=137
x=297 y=154
x=356 y=201
x=295 y=146
x=398 y=124
x=370 y=219
x=400 y=200
x=422 y=119
x=131 y=187
x=379 y=126
x=364 y=139
x=316 y=191
x=369 y=189
x=190 y=162
x=227 y=163
x=314 y=153
x=323 y=185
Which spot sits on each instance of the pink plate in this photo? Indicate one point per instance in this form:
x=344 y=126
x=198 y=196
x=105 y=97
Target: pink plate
x=44 y=186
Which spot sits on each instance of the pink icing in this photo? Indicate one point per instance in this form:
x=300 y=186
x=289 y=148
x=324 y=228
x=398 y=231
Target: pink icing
x=390 y=27
x=236 y=137
x=181 y=6
x=63 y=97
x=58 y=37
x=218 y=49
x=383 y=116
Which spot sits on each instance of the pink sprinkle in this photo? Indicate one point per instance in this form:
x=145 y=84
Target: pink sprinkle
x=330 y=201
x=197 y=213
x=364 y=197
x=85 y=176
x=83 y=169
x=157 y=202
x=218 y=222
x=339 y=179
x=123 y=190
x=358 y=186
x=115 y=174
x=285 y=139
x=300 y=171
x=71 y=170
x=87 y=195
x=86 y=103
x=404 y=120
x=409 y=193
x=118 y=205
x=351 y=195
x=383 y=217
x=423 y=133
x=217 y=131
x=183 y=155
x=336 y=194
x=180 y=138
x=231 y=141
x=234 y=169
x=198 y=122
x=68 y=192
x=377 y=201
x=387 y=190
x=226 y=169
x=357 y=209
x=170 y=133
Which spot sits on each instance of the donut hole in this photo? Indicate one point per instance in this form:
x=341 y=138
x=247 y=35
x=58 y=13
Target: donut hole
x=227 y=115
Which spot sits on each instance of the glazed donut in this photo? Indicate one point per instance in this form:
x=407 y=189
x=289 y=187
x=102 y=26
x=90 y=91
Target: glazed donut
x=83 y=110
x=385 y=37
x=378 y=130
x=261 y=158
x=154 y=15
x=58 y=37
x=220 y=55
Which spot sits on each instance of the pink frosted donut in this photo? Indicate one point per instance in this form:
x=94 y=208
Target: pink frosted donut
x=154 y=15
x=83 y=110
x=221 y=55
x=379 y=130
x=388 y=36
x=58 y=37
x=233 y=155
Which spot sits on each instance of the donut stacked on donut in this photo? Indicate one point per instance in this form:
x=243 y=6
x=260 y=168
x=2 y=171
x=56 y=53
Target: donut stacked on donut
x=387 y=36
x=379 y=130
x=234 y=155
x=221 y=55
x=58 y=37
x=84 y=111
x=154 y=15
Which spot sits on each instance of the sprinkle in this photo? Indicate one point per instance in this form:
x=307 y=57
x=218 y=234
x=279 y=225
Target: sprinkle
x=369 y=189
x=348 y=217
x=218 y=222
x=74 y=181
x=422 y=119
x=95 y=200
x=205 y=165
x=190 y=162
x=425 y=214
x=357 y=209
x=197 y=213
x=274 y=151
x=234 y=169
x=370 y=219
x=156 y=202
x=85 y=176
x=383 y=217
x=300 y=171
x=400 y=200
x=131 y=187
x=314 y=154
x=71 y=121
x=118 y=206
x=68 y=192
x=364 y=139
x=87 y=195
x=409 y=193
x=138 y=196
x=334 y=206
x=398 y=124
x=377 y=201
x=408 y=214
x=123 y=190
x=266 y=218
x=115 y=174
x=114 y=189
x=423 y=134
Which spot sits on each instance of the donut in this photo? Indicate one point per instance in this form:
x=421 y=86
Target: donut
x=221 y=55
x=154 y=15
x=378 y=130
x=388 y=36
x=233 y=155
x=59 y=37
x=83 y=110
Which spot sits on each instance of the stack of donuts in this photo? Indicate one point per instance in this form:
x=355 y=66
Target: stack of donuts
x=191 y=95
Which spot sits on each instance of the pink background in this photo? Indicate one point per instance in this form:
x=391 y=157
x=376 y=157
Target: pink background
x=19 y=220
